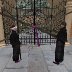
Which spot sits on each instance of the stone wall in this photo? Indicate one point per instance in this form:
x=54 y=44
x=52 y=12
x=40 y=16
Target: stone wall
x=2 y=42
x=69 y=20
x=5 y=22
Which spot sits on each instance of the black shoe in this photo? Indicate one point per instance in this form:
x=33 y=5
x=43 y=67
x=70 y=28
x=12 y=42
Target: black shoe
x=56 y=63
x=17 y=61
x=20 y=59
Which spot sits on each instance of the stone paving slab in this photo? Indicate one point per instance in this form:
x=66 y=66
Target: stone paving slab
x=5 y=54
x=68 y=62
x=57 y=68
x=36 y=61
x=22 y=64
x=15 y=70
x=65 y=66
x=3 y=62
x=6 y=63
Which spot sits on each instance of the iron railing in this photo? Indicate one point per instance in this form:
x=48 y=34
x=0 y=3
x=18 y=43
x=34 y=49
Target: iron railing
x=46 y=18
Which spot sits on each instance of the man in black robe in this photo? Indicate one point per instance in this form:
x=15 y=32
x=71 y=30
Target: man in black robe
x=14 y=41
x=60 y=43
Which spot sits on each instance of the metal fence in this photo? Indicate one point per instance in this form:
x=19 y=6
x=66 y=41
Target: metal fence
x=40 y=38
x=41 y=15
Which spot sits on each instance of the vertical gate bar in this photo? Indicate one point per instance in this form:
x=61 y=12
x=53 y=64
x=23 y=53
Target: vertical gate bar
x=31 y=38
x=26 y=39
x=45 y=38
x=25 y=9
x=34 y=22
x=17 y=17
x=65 y=9
x=51 y=21
x=40 y=5
x=42 y=38
x=31 y=5
x=23 y=39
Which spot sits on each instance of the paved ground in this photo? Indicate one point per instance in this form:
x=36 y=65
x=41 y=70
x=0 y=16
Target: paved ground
x=35 y=59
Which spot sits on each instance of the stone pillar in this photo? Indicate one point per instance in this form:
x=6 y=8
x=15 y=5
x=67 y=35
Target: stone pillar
x=2 y=42
x=68 y=20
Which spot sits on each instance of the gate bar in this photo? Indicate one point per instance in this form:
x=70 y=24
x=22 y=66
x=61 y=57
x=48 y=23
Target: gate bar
x=51 y=20
x=17 y=17
x=34 y=22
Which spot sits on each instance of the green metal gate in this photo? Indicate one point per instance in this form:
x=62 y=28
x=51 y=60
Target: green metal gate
x=43 y=16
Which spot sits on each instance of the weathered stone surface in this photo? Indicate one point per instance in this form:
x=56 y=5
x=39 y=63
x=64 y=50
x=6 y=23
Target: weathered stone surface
x=36 y=61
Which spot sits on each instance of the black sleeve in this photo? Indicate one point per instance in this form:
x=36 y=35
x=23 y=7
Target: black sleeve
x=11 y=39
x=65 y=35
x=62 y=35
x=14 y=39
